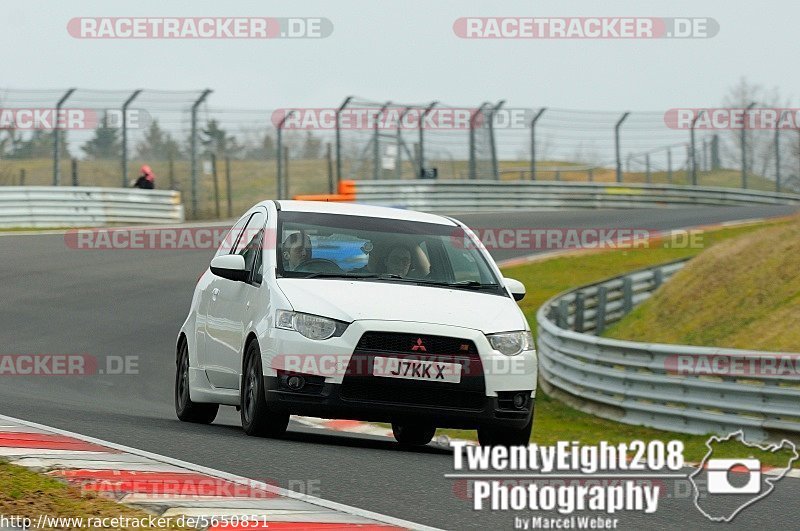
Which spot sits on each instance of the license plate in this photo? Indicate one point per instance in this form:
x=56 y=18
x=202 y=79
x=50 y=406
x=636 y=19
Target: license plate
x=433 y=371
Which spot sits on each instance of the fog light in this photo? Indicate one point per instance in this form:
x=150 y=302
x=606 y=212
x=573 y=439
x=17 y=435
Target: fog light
x=295 y=383
x=519 y=400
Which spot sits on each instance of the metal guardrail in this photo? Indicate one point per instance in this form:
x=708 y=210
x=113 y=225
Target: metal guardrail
x=61 y=206
x=643 y=383
x=477 y=195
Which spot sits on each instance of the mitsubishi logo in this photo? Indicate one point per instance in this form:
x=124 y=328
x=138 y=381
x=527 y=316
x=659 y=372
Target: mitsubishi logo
x=419 y=345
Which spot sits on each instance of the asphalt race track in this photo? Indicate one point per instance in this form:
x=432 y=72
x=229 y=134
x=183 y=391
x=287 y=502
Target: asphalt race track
x=58 y=300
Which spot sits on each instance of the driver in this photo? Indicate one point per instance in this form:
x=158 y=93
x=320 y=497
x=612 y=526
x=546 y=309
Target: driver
x=398 y=260
x=295 y=249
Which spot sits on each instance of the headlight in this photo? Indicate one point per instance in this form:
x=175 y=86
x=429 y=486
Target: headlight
x=511 y=343
x=311 y=326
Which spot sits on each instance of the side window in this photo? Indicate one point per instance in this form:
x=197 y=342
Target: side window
x=249 y=245
x=231 y=237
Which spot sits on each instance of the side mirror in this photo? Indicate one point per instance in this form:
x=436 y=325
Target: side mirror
x=230 y=266
x=516 y=288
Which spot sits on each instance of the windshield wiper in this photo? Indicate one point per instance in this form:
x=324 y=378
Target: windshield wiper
x=472 y=284
x=346 y=275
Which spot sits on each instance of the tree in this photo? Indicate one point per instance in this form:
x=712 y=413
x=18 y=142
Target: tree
x=38 y=145
x=218 y=142
x=157 y=144
x=263 y=148
x=312 y=147
x=105 y=144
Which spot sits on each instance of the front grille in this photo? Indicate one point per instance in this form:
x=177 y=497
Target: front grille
x=396 y=342
x=359 y=383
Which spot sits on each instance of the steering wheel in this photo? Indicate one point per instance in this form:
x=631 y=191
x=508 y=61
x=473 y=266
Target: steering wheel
x=318 y=265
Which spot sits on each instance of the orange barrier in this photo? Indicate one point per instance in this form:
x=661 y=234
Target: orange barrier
x=347 y=193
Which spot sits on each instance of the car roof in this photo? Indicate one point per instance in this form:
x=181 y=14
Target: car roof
x=357 y=209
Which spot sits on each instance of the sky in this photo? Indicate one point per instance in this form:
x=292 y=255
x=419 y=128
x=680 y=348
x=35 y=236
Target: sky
x=408 y=51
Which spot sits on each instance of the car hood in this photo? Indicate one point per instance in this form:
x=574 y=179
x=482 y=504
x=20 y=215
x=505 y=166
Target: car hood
x=349 y=300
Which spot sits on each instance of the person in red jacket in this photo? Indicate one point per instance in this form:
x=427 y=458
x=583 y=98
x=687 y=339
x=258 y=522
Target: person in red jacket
x=147 y=179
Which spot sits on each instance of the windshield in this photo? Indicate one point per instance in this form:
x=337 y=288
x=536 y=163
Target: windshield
x=335 y=246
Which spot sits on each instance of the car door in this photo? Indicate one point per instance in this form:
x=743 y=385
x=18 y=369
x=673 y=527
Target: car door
x=205 y=287
x=229 y=306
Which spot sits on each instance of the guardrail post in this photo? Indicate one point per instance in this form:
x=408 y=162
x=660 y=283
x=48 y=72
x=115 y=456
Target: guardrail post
x=22 y=177
x=125 y=136
x=616 y=145
x=533 y=142
x=658 y=277
x=580 y=306
x=193 y=142
x=422 y=138
x=590 y=174
x=558 y=175
x=339 y=139
x=492 y=143
x=743 y=142
x=57 y=139
x=627 y=295
x=279 y=170
x=600 y=314
x=694 y=151
x=563 y=314
x=473 y=169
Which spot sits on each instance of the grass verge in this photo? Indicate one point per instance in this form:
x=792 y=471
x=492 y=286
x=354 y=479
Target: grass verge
x=554 y=420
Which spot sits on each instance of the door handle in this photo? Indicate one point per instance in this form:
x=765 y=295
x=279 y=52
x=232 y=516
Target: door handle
x=214 y=293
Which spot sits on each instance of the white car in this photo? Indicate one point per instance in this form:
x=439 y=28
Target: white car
x=358 y=312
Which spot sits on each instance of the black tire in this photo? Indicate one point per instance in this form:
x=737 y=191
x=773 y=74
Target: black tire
x=258 y=420
x=187 y=410
x=505 y=436
x=413 y=434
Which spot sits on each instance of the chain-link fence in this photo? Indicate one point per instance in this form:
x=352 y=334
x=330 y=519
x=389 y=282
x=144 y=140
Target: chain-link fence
x=102 y=138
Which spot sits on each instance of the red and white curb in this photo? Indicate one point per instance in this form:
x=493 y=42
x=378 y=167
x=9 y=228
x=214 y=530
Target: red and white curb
x=169 y=487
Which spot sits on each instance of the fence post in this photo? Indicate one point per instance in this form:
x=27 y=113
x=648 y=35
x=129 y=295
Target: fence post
x=627 y=295
x=22 y=177
x=216 y=184
x=74 y=172
x=694 y=151
x=285 y=180
x=533 y=142
x=600 y=315
x=338 y=139
x=647 y=167
x=580 y=303
x=778 y=154
x=590 y=173
x=473 y=168
x=376 y=145
x=616 y=145
x=492 y=143
x=280 y=173
x=228 y=184
x=171 y=171
x=398 y=164
x=329 y=159
x=669 y=165
x=715 y=162
x=744 y=145
x=422 y=138
x=125 y=136
x=193 y=141
x=57 y=140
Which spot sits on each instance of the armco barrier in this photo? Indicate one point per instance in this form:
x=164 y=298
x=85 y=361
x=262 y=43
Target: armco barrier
x=62 y=206
x=461 y=195
x=643 y=383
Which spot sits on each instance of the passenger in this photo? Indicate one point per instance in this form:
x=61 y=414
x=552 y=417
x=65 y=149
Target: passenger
x=295 y=249
x=398 y=261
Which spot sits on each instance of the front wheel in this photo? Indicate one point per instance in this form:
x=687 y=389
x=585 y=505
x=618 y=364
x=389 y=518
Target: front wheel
x=187 y=410
x=413 y=434
x=505 y=436
x=258 y=419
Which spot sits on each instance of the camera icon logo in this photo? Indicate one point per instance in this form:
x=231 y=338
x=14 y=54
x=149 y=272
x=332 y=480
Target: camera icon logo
x=719 y=480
